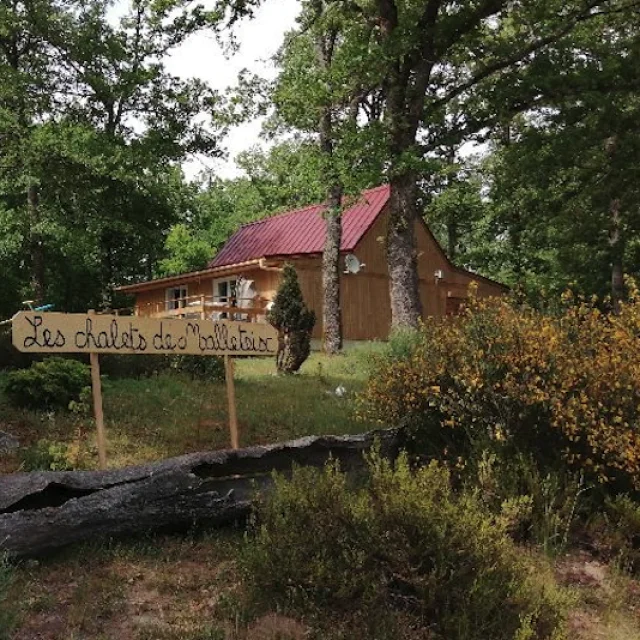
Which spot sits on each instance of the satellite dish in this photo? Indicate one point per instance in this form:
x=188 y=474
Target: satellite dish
x=352 y=264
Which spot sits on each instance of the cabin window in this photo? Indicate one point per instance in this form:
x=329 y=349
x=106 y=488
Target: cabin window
x=224 y=292
x=176 y=297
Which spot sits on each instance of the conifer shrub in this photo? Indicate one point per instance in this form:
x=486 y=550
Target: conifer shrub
x=403 y=549
x=294 y=322
x=563 y=389
x=53 y=383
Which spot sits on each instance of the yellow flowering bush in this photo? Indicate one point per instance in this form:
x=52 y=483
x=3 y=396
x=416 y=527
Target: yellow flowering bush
x=563 y=388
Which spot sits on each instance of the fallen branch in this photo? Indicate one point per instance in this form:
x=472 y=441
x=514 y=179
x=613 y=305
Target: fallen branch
x=41 y=512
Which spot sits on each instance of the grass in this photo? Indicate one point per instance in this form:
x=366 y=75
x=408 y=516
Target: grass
x=168 y=415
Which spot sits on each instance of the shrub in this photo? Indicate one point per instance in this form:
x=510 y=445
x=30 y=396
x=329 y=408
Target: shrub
x=615 y=532
x=533 y=506
x=10 y=357
x=54 y=382
x=564 y=389
x=199 y=367
x=405 y=545
x=117 y=366
x=47 y=455
x=294 y=322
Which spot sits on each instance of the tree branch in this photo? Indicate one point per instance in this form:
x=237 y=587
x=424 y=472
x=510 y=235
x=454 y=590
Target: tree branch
x=500 y=65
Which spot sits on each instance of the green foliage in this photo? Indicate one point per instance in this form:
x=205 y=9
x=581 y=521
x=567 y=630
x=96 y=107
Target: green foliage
x=53 y=383
x=7 y=610
x=47 y=455
x=403 y=342
x=404 y=543
x=288 y=176
x=289 y=312
x=555 y=177
x=293 y=320
x=537 y=506
x=562 y=389
x=105 y=194
x=10 y=357
x=615 y=531
x=187 y=250
x=200 y=368
x=116 y=366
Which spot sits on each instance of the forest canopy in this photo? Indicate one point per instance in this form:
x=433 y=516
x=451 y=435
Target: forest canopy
x=519 y=141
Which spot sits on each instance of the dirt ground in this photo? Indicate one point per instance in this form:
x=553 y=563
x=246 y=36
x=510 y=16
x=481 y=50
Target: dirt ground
x=172 y=588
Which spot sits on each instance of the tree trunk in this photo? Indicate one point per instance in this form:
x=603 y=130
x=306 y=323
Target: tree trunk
x=41 y=512
x=616 y=250
x=37 y=246
x=452 y=223
x=452 y=239
x=331 y=312
x=406 y=308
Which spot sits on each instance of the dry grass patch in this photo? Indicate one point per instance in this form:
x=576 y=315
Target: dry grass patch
x=607 y=602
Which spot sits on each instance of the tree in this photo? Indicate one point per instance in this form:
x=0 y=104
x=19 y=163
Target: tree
x=93 y=130
x=312 y=96
x=28 y=84
x=564 y=182
x=455 y=209
x=294 y=322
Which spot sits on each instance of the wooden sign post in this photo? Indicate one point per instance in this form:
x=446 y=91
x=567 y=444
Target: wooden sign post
x=229 y=366
x=37 y=332
x=96 y=391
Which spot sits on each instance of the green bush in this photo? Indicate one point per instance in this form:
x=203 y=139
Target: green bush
x=615 y=532
x=10 y=357
x=46 y=455
x=117 y=366
x=405 y=545
x=534 y=506
x=402 y=343
x=52 y=383
x=562 y=389
x=200 y=367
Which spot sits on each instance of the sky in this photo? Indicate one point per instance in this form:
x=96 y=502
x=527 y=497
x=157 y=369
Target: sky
x=202 y=57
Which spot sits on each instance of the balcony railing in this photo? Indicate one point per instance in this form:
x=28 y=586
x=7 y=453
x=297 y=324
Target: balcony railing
x=204 y=307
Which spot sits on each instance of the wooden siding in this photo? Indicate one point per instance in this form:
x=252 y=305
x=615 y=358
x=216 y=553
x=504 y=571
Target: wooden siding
x=366 y=309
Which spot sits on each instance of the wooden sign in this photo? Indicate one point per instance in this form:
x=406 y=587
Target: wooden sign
x=35 y=332
x=89 y=333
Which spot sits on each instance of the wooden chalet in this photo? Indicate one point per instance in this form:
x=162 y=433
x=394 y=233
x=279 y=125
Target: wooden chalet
x=243 y=277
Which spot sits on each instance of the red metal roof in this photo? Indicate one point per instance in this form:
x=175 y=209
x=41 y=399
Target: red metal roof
x=301 y=231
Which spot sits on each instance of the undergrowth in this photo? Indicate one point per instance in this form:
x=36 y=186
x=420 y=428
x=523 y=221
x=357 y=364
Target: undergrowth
x=403 y=550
